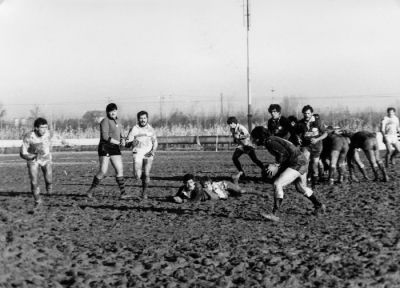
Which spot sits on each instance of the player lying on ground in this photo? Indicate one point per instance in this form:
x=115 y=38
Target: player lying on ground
x=292 y=166
x=242 y=138
x=109 y=149
x=35 y=150
x=334 y=153
x=390 y=128
x=205 y=190
x=220 y=189
x=142 y=138
x=368 y=143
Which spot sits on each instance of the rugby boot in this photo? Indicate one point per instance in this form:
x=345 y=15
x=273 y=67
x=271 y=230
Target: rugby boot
x=376 y=175
x=277 y=205
x=383 y=170
x=387 y=159
x=342 y=174
x=331 y=181
x=49 y=188
x=236 y=177
x=364 y=173
x=144 y=191
x=319 y=209
x=95 y=183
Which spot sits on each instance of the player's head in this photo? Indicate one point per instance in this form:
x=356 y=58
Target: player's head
x=188 y=181
x=391 y=111
x=111 y=110
x=206 y=182
x=232 y=121
x=292 y=120
x=259 y=135
x=275 y=110
x=40 y=126
x=307 y=112
x=142 y=118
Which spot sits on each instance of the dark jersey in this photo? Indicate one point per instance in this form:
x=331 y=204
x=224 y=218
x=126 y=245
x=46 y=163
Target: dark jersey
x=279 y=127
x=308 y=130
x=286 y=154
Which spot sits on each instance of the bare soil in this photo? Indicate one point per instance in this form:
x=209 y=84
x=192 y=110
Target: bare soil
x=73 y=241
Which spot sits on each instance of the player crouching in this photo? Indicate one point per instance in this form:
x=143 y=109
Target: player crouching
x=292 y=168
x=35 y=150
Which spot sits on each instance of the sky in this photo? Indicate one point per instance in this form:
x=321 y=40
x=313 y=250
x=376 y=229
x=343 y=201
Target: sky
x=68 y=57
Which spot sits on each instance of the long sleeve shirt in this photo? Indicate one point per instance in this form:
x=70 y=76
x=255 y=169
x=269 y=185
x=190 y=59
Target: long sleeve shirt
x=32 y=144
x=285 y=152
x=146 y=139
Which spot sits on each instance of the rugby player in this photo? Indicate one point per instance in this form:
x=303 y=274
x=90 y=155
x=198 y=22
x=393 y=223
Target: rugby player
x=109 y=149
x=35 y=149
x=334 y=153
x=311 y=133
x=242 y=138
x=368 y=143
x=390 y=129
x=190 y=191
x=293 y=166
x=143 y=140
x=278 y=125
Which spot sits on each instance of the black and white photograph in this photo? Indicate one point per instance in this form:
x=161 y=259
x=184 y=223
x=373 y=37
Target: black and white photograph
x=188 y=143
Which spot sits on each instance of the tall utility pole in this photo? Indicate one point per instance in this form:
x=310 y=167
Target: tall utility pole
x=222 y=105
x=249 y=114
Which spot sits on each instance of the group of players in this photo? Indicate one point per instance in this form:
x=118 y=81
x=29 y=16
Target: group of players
x=300 y=147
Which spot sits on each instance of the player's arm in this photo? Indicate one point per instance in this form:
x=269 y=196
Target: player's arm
x=130 y=139
x=278 y=151
x=382 y=126
x=24 y=150
x=323 y=135
x=154 y=147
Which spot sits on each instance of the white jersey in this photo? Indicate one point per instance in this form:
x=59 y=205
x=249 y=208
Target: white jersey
x=40 y=146
x=390 y=125
x=145 y=137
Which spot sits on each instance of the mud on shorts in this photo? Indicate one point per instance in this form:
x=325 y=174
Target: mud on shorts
x=314 y=149
x=300 y=164
x=108 y=149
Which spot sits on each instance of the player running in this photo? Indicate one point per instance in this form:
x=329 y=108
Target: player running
x=143 y=140
x=242 y=138
x=35 y=149
x=109 y=149
x=311 y=133
x=390 y=129
x=292 y=168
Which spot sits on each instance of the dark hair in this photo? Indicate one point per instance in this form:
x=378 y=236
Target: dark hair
x=110 y=107
x=205 y=179
x=232 y=119
x=292 y=118
x=390 y=109
x=140 y=113
x=188 y=177
x=39 y=121
x=260 y=134
x=307 y=107
x=276 y=107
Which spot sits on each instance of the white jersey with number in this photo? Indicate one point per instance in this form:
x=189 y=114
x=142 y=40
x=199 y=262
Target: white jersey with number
x=40 y=146
x=145 y=137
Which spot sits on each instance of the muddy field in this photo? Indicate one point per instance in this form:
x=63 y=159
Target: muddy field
x=74 y=241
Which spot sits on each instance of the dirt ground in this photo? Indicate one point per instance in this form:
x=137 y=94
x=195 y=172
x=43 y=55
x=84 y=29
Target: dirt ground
x=74 y=241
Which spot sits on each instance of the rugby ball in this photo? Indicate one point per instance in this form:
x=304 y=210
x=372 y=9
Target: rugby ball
x=271 y=170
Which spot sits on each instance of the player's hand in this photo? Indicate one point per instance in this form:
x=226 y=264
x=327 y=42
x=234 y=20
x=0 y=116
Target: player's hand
x=122 y=142
x=314 y=140
x=149 y=154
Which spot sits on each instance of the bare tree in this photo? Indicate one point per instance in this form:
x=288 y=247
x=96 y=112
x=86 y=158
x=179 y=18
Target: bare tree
x=2 y=114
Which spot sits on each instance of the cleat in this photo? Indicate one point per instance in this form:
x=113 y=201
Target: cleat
x=320 y=210
x=270 y=217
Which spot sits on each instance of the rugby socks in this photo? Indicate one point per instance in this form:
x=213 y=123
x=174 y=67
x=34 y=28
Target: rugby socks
x=121 y=184
x=314 y=200
x=277 y=205
x=144 y=189
x=49 y=188
x=95 y=182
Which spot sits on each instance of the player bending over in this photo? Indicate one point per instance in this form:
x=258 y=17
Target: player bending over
x=109 y=149
x=35 y=150
x=390 y=129
x=368 y=143
x=293 y=166
x=334 y=153
x=142 y=138
x=242 y=138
